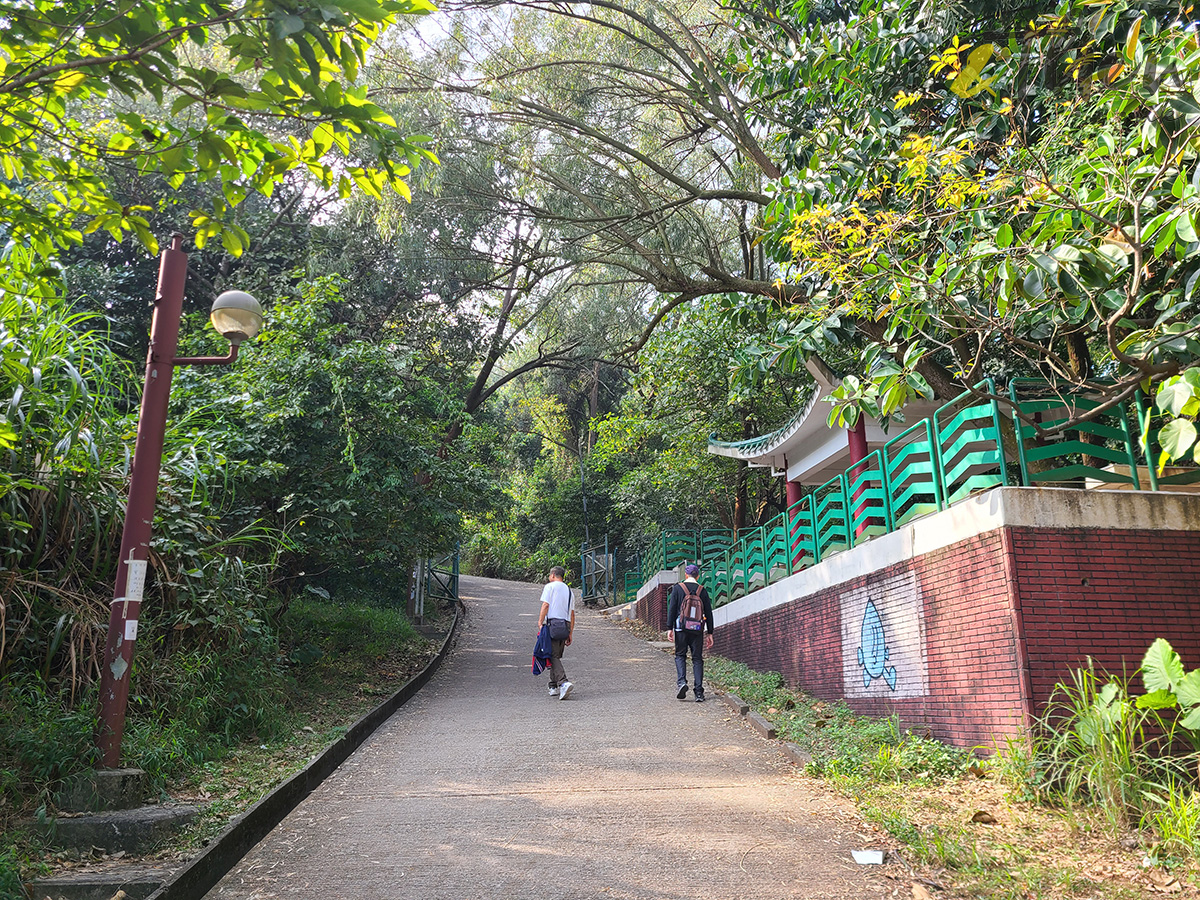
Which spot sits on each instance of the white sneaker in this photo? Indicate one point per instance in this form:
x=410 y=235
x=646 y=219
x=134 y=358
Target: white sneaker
x=553 y=691
x=565 y=690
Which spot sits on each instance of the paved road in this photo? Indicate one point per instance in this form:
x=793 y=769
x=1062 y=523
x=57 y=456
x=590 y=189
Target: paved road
x=483 y=787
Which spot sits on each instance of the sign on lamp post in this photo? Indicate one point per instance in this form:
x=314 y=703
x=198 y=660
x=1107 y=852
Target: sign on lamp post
x=238 y=317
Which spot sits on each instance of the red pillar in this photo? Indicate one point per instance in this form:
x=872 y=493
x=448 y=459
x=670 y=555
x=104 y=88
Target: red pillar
x=858 y=440
x=139 y=513
x=857 y=437
x=795 y=490
x=794 y=493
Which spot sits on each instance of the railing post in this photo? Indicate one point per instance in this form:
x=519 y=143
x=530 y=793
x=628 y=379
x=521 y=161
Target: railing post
x=935 y=466
x=995 y=404
x=762 y=553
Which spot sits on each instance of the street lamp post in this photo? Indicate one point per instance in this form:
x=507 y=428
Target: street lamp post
x=238 y=317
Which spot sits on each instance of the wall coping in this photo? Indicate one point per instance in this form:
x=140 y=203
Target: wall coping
x=1013 y=507
x=667 y=576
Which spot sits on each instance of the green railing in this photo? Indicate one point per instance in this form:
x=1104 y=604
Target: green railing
x=1173 y=475
x=911 y=466
x=969 y=445
x=1071 y=456
x=958 y=451
x=830 y=526
x=633 y=583
x=671 y=549
x=867 y=498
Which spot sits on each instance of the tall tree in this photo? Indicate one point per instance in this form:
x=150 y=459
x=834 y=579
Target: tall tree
x=985 y=190
x=243 y=94
x=632 y=156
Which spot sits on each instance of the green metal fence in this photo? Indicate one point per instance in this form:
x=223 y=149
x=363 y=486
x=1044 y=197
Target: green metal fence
x=867 y=499
x=969 y=444
x=958 y=451
x=1076 y=454
x=633 y=583
x=1173 y=475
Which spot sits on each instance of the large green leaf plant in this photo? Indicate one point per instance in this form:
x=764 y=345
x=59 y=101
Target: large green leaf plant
x=1170 y=687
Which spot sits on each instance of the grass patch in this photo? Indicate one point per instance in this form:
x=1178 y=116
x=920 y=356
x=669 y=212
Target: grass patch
x=978 y=828
x=329 y=664
x=842 y=742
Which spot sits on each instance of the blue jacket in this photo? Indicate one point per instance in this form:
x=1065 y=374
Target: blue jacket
x=541 y=651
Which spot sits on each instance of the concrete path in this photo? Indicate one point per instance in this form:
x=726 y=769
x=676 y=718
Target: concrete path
x=483 y=787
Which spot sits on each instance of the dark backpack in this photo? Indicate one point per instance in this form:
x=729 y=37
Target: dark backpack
x=691 y=610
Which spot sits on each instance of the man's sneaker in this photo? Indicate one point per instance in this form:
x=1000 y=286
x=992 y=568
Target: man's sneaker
x=554 y=690
x=682 y=692
x=699 y=698
x=565 y=691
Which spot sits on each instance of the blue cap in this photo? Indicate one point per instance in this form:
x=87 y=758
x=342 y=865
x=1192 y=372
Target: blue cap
x=692 y=569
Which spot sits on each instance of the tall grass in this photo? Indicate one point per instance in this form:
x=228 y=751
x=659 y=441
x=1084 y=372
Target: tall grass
x=67 y=422
x=1094 y=747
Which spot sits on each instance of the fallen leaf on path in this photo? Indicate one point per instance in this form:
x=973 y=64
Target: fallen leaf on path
x=1164 y=883
x=920 y=893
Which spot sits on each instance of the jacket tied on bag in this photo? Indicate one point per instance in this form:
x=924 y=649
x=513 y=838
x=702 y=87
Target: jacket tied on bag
x=541 y=651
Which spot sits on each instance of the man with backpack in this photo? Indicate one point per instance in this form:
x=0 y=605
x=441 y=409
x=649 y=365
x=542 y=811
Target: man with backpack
x=690 y=612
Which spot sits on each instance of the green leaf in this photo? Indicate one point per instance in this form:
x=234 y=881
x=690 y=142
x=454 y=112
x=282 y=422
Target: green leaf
x=1160 y=699
x=1173 y=396
x=1004 y=236
x=1192 y=720
x=1186 y=230
x=1162 y=669
x=1165 y=237
x=1188 y=690
x=287 y=25
x=1177 y=437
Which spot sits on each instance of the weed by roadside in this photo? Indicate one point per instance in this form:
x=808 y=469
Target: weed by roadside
x=980 y=828
x=840 y=741
x=331 y=664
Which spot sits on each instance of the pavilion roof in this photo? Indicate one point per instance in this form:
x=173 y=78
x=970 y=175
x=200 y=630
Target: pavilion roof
x=805 y=447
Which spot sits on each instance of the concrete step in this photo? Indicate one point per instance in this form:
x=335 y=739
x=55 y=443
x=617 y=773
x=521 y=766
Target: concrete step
x=136 y=831
x=104 y=789
x=136 y=880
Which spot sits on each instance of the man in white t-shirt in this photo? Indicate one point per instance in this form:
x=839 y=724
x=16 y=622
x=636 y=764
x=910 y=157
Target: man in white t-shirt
x=558 y=611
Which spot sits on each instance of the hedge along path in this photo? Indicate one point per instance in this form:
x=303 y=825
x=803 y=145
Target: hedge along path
x=484 y=787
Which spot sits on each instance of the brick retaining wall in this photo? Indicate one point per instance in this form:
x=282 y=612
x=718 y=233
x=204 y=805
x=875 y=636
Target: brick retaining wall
x=1105 y=593
x=652 y=608
x=966 y=637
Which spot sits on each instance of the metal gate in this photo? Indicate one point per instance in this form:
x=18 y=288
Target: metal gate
x=596 y=575
x=434 y=578
x=442 y=577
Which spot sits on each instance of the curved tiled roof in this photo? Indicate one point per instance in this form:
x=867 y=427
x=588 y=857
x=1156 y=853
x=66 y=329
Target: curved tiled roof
x=762 y=445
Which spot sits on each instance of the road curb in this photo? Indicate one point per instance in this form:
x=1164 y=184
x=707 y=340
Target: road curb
x=199 y=876
x=736 y=703
x=761 y=725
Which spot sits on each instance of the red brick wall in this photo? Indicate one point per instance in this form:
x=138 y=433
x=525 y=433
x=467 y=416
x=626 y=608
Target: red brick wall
x=1106 y=593
x=801 y=639
x=973 y=681
x=976 y=694
x=1005 y=615
x=652 y=609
